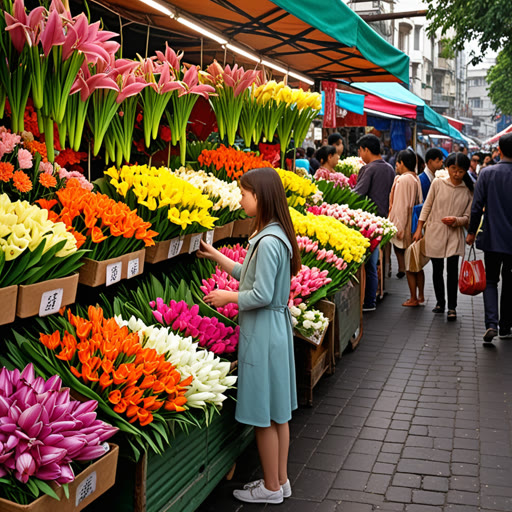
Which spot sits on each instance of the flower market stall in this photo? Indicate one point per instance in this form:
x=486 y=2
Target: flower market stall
x=105 y=335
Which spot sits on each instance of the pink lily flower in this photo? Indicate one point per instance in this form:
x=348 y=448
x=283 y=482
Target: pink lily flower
x=22 y=28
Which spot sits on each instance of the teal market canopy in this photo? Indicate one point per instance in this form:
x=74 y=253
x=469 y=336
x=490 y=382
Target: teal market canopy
x=323 y=40
x=425 y=114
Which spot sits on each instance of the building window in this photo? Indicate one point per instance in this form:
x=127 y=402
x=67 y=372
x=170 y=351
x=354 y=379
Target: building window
x=417 y=33
x=475 y=102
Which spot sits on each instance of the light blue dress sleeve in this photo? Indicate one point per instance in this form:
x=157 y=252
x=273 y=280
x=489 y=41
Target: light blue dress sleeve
x=268 y=258
x=237 y=271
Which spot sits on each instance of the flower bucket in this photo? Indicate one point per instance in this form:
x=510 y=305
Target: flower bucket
x=87 y=486
x=223 y=232
x=96 y=273
x=47 y=297
x=328 y=309
x=8 y=299
x=313 y=360
x=242 y=228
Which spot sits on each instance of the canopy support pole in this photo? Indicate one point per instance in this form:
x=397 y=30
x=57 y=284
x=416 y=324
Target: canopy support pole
x=414 y=135
x=147 y=41
x=202 y=52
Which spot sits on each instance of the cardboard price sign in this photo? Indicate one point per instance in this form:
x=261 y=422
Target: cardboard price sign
x=175 y=247
x=195 y=243
x=51 y=302
x=114 y=273
x=133 y=268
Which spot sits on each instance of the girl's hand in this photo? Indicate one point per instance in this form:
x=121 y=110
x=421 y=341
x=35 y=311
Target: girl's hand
x=418 y=235
x=218 y=298
x=449 y=221
x=206 y=251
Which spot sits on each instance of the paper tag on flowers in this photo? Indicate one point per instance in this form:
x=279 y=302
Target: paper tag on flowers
x=195 y=243
x=316 y=337
x=133 y=268
x=175 y=247
x=85 y=488
x=114 y=273
x=209 y=237
x=51 y=302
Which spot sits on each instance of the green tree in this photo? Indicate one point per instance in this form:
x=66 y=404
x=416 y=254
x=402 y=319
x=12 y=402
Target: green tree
x=486 y=22
x=499 y=78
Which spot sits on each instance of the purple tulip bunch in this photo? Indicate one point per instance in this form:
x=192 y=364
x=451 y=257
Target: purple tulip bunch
x=210 y=332
x=42 y=430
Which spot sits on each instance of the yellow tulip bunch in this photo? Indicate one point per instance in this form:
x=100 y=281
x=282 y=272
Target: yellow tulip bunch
x=225 y=196
x=350 y=244
x=298 y=189
x=173 y=206
x=32 y=247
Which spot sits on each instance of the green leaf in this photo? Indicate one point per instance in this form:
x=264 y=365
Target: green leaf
x=46 y=489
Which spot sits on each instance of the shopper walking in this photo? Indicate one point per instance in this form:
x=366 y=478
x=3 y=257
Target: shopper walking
x=374 y=181
x=493 y=193
x=266 y=368
x=444 y=216
x=405 y=194
x=434 y=162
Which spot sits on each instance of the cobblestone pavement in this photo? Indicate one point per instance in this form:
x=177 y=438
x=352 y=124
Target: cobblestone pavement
x=417 y=419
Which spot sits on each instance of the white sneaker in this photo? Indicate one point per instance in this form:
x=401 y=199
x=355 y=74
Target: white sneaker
x=256 y=492
x=287 y=488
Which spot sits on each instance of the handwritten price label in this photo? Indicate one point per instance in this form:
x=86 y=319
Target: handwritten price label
x=195 y=243
x=86 y=488
x=114 y=273
x=51 y=302
x=133 y=268
x=209 y=237
x=175 y=247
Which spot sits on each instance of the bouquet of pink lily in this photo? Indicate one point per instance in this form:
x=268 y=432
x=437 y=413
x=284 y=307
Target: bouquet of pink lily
x=233 y=91
x=377 y=229
x=66 y=43
x=42 y=432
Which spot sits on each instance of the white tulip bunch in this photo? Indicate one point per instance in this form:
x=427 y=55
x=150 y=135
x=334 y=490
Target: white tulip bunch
x=210 y=373
x=308 y=323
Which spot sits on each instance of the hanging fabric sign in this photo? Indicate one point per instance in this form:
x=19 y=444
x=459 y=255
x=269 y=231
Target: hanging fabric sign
x=329 y=89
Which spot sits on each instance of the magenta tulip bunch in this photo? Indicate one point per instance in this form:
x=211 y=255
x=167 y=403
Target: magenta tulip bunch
x=306 y=282
x=210 y=332
x=42 y=430
x=221 y=280
x=311 y=254
x=236 y=252
x=337 y=178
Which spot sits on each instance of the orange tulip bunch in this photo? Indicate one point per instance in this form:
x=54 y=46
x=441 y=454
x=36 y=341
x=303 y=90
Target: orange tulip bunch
x=228 y=163
x=136 y=382
x=106 y=227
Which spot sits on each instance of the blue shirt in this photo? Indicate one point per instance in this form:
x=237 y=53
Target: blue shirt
x=425 y=184
x=493 y=191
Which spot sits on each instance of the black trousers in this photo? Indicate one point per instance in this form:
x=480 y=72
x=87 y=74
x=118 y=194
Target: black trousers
x=496 y=262
x=452 y=281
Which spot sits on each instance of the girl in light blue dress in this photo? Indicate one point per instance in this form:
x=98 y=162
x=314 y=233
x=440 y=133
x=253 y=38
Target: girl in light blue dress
x=266 y=368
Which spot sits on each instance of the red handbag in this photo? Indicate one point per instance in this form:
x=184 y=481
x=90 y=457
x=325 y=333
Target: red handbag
x=472 y=275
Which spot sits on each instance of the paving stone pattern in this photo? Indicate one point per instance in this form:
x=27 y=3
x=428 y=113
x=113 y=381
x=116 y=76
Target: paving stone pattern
x=417 y=419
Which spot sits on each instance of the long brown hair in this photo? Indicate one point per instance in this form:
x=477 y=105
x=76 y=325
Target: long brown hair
x=268 y=188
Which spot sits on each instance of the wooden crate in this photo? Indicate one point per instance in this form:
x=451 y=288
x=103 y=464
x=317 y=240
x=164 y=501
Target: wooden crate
x=313 y=361
x=349 y=313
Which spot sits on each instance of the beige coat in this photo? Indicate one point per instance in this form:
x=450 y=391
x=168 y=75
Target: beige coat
x=405 y=194
x=445 y=200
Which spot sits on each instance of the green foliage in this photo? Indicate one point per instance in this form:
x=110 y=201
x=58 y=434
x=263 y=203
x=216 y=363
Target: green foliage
x=499 y=78
x=485 y=22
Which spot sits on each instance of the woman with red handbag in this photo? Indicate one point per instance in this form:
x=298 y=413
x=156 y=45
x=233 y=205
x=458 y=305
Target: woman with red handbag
x=444 y=215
